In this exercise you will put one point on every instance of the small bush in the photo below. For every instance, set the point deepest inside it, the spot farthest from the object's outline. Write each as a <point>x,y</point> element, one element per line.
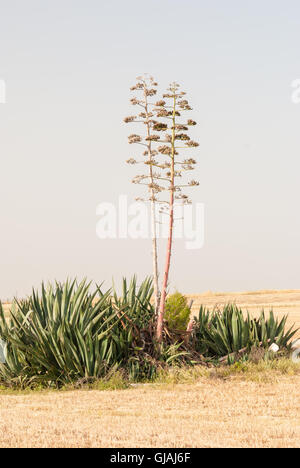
<point>177,312</point>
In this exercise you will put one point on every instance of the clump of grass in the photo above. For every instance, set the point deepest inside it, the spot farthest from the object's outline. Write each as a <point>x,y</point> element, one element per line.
<point>185,374</point>
<point>266,370</point>
<point>115,380</point>
<point>256,354</point>
<point>263,371</point>
<point>24,390</point>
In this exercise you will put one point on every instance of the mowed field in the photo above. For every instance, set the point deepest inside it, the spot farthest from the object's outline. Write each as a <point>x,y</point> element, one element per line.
<point>233,412</point>
<point>285,302</point>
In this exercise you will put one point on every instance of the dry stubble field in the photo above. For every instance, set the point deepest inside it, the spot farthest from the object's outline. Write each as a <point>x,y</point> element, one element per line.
<point>212,412</point>
<point>209,413</point>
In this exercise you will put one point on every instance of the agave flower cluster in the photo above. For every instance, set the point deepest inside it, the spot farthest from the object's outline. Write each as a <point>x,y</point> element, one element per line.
<point>165,140</point>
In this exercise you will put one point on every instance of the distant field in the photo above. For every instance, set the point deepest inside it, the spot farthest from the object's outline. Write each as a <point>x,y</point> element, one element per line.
<point>282,302</point>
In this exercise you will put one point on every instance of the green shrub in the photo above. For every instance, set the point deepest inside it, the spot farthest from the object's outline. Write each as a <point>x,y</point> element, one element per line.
<point>177,312</point>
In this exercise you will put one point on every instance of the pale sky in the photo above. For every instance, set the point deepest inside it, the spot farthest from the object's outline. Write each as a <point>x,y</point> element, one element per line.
<point>68,66</point>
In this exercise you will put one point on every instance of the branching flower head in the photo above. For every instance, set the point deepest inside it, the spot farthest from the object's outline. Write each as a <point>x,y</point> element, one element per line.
<point>139,178</point>
<point>130,118</point>
<point>152,153</point>
<point>152,138</point>
<point>192,143</point>
<point>165,149</point>
<point>131,161</point>
<point>190,161</point>
<point>184,105</point>
<point>184,198</point>
<point>165,165</point>
<point>161,112</point>
<point>188,167</point>
<point>134,101</point>
<point>157,188</point>
<point>181,127</point>
<point>182,136</point>
<point>160,127</point>
<point>151,92</point>
<point>134,139</point>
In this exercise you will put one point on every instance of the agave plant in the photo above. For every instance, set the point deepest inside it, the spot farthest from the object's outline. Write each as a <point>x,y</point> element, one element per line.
<point>135,301</point>
<point>219,333</point>
<point>65,333</point>
<point>61,335</point>
<point>272,330</point>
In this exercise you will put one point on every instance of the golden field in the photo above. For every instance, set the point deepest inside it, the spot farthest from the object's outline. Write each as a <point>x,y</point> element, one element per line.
<point>210,412</point>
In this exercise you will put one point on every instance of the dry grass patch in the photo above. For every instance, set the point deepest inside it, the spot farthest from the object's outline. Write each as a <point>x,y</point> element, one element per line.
<point>255,406</point>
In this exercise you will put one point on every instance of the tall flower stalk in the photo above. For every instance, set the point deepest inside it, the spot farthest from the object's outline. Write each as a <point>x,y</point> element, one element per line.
<point>146,86</point>
<point>175,166</point>
<point>166,166</point>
